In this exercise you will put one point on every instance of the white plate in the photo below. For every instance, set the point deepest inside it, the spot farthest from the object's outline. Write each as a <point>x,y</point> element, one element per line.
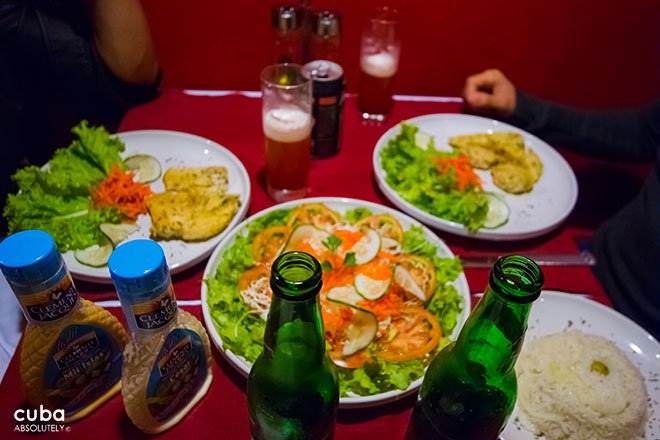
<point>174,149</point>
<point>557,311</point>
<point>340,205</point>
<point>532,214</point>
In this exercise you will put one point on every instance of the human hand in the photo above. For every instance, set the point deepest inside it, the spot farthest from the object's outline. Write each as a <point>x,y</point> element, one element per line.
<point>490,93</point>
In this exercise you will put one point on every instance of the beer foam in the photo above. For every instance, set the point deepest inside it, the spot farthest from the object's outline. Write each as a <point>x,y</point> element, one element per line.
<point>287,124</point>
<point>381,64</point>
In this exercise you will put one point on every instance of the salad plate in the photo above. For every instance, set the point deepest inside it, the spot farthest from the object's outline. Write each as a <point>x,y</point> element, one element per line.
<point>175,149</point>
<point>235,295</point>
<point>530,214</point>
<point>558,311</point>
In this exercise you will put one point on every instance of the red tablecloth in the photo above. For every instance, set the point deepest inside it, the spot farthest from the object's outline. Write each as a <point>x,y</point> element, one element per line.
<point>234,121</point>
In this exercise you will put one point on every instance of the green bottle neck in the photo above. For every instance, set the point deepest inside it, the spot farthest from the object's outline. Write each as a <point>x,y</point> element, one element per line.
<point>294,324</point>
<point>294,328</point>
<point>494,333</point>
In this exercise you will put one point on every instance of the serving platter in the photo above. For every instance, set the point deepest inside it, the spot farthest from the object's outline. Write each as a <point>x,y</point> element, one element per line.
<point>557,311</point>
<point>532,214</point>
<point>175,149</point>
<point>340,205</point>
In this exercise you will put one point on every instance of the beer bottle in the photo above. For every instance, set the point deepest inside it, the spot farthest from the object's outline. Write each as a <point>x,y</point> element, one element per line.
<point>469,389</point>
<point>292,389</point>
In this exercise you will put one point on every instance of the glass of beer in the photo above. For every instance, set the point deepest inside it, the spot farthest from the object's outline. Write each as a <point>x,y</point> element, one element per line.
<point>379,62</point>
<point>287,125</point>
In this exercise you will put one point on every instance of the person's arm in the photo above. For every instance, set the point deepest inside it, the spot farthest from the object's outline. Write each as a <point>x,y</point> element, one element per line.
<point>625,134</point>
<point>57,50</point>
<point>122,37</point>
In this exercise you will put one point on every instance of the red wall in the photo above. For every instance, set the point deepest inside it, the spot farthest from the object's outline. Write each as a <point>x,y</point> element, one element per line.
<point>582,52</point>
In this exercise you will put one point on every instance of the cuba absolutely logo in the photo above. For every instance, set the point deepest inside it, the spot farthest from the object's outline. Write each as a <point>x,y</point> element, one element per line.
<point>40,420</point>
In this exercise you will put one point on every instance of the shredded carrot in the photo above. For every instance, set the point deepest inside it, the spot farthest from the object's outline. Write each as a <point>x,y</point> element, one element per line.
<point>340,276</point>
<point>336,321</point>
<point>119,189</point>
<point>376,270</point>
<point>388,256</point>
<point>348,238</point>
<point>464,172</point>
<point>306,247</point>
<point>389,305</point>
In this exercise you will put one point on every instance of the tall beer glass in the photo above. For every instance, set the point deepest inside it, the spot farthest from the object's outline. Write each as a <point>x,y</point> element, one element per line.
<point>287,125</point>
<point>379,62</point>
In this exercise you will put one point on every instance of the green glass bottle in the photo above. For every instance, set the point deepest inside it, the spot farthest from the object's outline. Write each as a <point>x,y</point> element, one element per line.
<point>292,389</point>
<point>470,388</point>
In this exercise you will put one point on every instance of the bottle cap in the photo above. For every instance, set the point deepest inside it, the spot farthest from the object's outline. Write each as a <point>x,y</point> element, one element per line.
<point>138,267</point>
<point>29,257</point>
<point>287,18</point>
<point>326,24</point>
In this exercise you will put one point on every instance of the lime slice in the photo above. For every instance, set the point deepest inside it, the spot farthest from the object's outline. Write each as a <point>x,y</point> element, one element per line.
<point>405,280</point>
<point>422,140</point>
<point>117,233</point>
<point>147,168</point>
<point>368,247</point>
<point>97,255</point>
<point>371,289</point>
<point>498,211</point>
<point>345,295</point>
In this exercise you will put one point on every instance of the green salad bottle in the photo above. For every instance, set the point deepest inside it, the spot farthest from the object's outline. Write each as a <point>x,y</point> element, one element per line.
<point>470,388</point>
<point>292,389</point>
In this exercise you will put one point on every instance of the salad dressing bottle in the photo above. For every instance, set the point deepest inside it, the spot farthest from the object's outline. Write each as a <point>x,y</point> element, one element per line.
<point>167,363</point>
<point>71,351</point>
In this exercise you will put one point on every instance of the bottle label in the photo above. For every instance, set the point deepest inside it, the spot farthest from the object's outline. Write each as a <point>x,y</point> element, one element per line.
<point>83,364</point>
<point>51,304</point>
<point>177,374</point>
<point>157,312</point>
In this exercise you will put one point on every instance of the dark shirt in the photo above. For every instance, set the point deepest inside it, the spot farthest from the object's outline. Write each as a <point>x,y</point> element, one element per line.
<point>51,77</point>
<point>627,246</point>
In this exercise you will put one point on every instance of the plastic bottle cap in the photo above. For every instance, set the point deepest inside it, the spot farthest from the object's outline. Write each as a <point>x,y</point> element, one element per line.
<point>29,257</point>
<point>138,266</point>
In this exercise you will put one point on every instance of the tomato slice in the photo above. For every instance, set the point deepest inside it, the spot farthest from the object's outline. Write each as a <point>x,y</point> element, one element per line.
<point>315,214</point>
<point>385,224</point>
<point>417,332</point>
<point>422,271</point>
<point>251,275</point>
<point>268,242</point>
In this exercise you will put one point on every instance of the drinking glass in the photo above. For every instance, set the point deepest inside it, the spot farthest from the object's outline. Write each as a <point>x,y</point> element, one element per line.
<point>379,61</point>
<point>287,125</point>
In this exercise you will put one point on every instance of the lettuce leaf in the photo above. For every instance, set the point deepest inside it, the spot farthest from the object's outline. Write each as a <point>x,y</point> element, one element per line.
<point>355,215</point>
<point>412,174</point>
<point>57,200</point>
<point>242,331</point>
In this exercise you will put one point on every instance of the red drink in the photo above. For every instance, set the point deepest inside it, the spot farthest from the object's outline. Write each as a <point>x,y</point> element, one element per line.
<point>287,138</point>
<point>377,73</point>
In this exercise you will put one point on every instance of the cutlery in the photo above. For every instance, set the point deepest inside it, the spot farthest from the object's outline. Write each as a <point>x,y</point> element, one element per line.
<point>546,259</point>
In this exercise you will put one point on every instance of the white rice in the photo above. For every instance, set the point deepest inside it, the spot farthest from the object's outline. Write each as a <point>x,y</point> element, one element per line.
<point>564,399</point>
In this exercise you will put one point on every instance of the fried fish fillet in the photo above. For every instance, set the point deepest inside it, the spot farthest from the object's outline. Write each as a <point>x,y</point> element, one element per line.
<point>181,179</point>
<point>510,146</point>
<point>477,140</point>
<point>512,178</point>
<point>514,168</point>
<point>480,157</point>
<point>193,215</point>
<point>534,165</point>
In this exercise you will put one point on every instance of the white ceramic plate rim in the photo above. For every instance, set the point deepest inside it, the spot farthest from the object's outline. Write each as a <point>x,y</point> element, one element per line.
<point>603,312</point>
<point>457,228</point>
<point>243,366</point>
<point>102,276</point>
